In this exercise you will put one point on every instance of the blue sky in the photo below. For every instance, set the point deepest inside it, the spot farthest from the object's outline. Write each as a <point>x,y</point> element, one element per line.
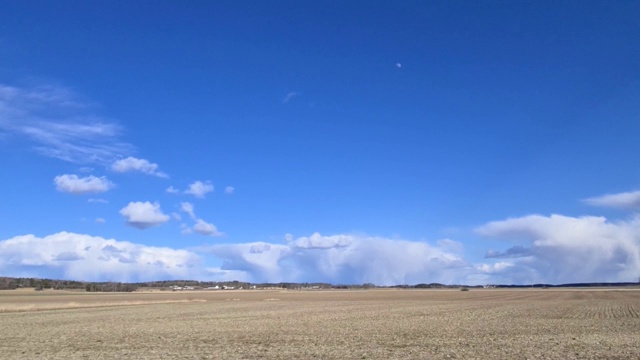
<point>400,142</point>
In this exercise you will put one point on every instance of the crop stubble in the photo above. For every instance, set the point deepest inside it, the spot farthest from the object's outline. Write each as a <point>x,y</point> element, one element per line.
<point>339,324</point>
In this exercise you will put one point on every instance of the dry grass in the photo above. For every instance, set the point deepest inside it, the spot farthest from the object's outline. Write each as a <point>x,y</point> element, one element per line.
<point>373,324</point>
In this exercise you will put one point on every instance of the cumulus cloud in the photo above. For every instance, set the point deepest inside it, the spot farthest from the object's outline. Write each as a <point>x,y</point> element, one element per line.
<point>57,123</point>
<point>625,200</point>
<point>563,249</point>
<point>73,184</point>
<point>229,190</point>
<point>143,215</point>
<point>172,190</point>
<point>91,258</point>
<point>540,249</point>
<point>343,259</point>
<point>337,258</point>
<point>199,189</point>
<point>317,241</point>
<point>134,164</point>
<point>200,227</point>
<point>204,228</point>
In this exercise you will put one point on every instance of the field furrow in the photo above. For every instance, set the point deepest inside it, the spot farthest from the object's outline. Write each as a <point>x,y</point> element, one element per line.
<point>373,324</point>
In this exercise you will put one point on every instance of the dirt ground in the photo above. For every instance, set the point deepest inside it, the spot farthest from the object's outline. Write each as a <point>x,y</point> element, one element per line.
<point>338,324</point>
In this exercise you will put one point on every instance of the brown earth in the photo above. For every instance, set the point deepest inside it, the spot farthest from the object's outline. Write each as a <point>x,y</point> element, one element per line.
<point>339,324</point>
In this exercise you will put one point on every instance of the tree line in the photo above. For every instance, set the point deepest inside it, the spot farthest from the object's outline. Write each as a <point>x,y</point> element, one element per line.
<point>10,283</point>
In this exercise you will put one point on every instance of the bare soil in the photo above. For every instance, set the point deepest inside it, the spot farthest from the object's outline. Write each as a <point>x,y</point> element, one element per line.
<point>338,324</point>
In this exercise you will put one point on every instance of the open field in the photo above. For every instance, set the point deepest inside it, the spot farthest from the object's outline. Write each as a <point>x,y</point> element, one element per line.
<point>338,324</point>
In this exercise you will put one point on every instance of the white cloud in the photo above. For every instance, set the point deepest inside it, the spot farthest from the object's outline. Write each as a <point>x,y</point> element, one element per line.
<point>56,123</point>
<point>290,96</point>
<point>229,190</point>
<point>143,215</point>
<point>199,189</point>
<point>228,275</point>
<point>341,259</point>
<point>201,227</point>
<point>176,216</point>
<point>73,184</point>
<point>185,229</point>
<point>134,164</point>
<point>451,245</point>
<point>541,249</point>
<point>259,261</point>
<point>317,241</point>
<point>172,190</point>
<point>101,220</point>
<point>204,228</point>
<point>563,249</point>
<point>90,258</point>
<point>187,207</point>
<point>494,268</point>
<point>97,201</point>
<point>625,200</point>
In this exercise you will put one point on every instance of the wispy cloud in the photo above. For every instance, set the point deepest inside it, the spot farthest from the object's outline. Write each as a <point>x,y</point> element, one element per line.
<point>98,201</point>
<point>229,190</point>
<point>185,229</point>
<point>290,96</point>
<point>187,208</point>
<point>58,124</point>
<point>625,200</point>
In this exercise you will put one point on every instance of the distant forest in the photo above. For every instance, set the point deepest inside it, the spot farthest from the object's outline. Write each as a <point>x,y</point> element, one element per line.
<point>10,283</point>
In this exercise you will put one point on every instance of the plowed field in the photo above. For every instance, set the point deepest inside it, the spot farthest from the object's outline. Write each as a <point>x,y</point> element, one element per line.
<point>340,324</point>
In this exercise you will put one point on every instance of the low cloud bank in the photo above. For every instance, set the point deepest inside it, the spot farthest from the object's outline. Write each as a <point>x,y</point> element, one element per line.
<point>562,249</point>
<point>342,259</point>
<point>539,249</point>
<point>91,258</point>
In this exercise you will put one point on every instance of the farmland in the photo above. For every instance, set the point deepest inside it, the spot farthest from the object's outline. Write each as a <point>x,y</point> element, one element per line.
<point>336,324</point>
